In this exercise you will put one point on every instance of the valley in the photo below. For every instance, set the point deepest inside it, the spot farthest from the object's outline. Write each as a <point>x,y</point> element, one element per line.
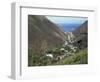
<point>49,45</point>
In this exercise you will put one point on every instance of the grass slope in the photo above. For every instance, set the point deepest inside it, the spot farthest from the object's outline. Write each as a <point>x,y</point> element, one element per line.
<point>79,58</point>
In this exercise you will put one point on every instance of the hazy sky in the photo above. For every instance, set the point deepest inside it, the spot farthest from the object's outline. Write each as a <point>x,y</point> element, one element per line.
<point>67,23</point>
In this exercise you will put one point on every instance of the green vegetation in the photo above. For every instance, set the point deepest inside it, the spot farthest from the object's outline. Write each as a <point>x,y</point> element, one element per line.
<point>80,57</point>
<point>35,59</point>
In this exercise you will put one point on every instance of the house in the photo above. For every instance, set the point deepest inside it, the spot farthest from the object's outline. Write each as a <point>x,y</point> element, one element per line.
<point>49,55</point>
<point>62,49</point>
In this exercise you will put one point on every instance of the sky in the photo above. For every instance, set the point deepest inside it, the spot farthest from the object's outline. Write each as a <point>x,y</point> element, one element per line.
<point>67,23</point>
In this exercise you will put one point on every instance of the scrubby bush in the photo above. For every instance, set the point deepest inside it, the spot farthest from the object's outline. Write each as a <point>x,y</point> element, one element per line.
<point>79,58</point>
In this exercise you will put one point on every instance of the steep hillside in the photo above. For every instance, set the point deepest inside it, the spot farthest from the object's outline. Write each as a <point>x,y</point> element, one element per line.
<point>81,35</point>
<point>43,34</point>
<point>83,29</point>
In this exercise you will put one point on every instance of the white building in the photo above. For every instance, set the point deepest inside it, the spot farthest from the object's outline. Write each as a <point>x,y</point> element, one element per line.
<point>49,55</point>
